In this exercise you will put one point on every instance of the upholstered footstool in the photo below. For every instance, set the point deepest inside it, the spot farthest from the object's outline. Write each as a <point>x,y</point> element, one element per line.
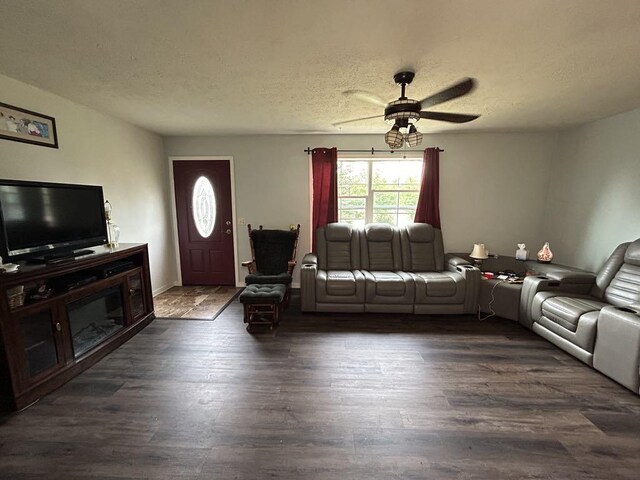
<point>262,304</point>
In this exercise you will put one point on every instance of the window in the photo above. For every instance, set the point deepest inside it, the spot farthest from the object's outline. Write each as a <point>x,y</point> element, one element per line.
<point>378,190</point>
<point>203,206</point>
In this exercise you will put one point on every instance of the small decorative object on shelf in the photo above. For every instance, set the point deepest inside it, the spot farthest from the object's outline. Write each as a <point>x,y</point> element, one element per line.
<point>16,296</point>
<point>545,255</point>
<point>292,227</point>
<point>8,267</point>
<point>113,230</point>
<point>522,253</point>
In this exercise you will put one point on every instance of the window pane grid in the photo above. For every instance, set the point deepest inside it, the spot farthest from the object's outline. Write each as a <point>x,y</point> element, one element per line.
<point>373,190</point>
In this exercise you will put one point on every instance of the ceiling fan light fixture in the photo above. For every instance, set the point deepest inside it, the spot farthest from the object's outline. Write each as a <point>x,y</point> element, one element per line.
<point>414,137</point>
<point>393,137</point>
<point>402,109</point>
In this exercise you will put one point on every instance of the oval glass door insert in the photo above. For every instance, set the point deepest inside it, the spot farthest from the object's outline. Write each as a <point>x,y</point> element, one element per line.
<point>204,206</point>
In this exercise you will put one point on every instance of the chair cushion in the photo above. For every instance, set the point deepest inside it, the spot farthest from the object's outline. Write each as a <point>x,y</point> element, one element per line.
<point>258,279</point>
<point>389,284</point>
<point>273,249</point>
<point>341,283</point>
<point>263,293</point>
<point>566,311</point>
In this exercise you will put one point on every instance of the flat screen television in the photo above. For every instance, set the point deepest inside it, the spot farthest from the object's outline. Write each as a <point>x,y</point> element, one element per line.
<point>42,221</point>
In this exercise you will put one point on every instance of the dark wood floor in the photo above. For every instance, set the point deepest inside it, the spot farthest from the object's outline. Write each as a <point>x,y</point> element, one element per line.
<point>330,397</point>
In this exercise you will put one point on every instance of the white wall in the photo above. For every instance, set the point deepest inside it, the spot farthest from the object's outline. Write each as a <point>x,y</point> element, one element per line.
<point>594,195</point>
<point>97,149</point>
<point>578,189</point>
<point>492,186</point>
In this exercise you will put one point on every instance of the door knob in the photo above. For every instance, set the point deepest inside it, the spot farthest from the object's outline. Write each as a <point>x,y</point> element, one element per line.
<point>228,222</point>
<point>58,327</point>
<point>228,231</point>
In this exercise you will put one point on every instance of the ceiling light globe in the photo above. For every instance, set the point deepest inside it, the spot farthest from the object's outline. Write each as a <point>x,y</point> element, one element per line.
<point>396,145</point>
<point>414,138</point>
<point>393,137</point>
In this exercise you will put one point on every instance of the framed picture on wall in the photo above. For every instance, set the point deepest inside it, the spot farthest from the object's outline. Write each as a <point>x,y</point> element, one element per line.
<point>22,125</point>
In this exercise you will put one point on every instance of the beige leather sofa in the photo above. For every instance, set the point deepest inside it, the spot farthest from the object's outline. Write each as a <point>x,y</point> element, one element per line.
<point>380,268</point>
<point>594,318</point>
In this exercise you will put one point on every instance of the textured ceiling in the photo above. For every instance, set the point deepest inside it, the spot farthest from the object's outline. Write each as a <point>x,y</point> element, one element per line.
<point>279,66</point>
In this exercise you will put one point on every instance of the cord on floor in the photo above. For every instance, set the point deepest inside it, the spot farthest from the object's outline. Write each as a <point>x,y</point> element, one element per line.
<point>493,299</point>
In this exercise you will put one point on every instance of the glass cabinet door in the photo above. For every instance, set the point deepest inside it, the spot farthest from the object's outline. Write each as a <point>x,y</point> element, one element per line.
<point>136,296</point>
<point>40,342</point>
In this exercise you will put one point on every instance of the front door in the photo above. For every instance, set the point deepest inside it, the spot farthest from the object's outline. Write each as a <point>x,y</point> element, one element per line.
<point>205,227</point>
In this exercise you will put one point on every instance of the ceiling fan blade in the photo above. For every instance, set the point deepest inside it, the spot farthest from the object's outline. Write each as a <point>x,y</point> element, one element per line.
<point>365,96</point>
<point>459,89</point>
<point>356,120</point>
<point>448,117</point>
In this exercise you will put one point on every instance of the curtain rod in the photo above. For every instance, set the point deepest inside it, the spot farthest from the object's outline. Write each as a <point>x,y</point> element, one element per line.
<point>373,151</point>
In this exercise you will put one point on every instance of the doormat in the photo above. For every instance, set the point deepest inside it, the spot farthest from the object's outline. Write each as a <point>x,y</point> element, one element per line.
<point>194,303</point>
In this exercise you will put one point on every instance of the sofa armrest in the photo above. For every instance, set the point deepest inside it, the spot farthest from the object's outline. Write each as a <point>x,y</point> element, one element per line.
<point>567,277</point>
<point>472,277</point>
<point>530,286</point>
<point>310,259</point>
<point>454,260</point>
<point>565,280</point>
<point>308,278</point>
<point>617,349</point>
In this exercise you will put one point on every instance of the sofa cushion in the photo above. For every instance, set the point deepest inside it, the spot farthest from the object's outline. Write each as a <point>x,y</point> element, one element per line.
<point>338,232</point>
<point>422,249</point>
<point>380,255</point>
<point>438,284</point>
<point>566,311</point>
<point>338,255</point>
<point>624,288</point>
<point>380,248</point>
<point>378,232</point>
<point>632,255</point>
<point>338,247</point>
<point>389,284</point>
<point>420,232</point>
<point>341,282</point>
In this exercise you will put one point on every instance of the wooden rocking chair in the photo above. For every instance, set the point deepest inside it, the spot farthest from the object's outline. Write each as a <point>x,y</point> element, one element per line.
<point>273,254</point>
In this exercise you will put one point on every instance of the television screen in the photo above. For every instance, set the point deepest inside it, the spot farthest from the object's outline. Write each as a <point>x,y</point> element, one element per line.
<point>43,218</point>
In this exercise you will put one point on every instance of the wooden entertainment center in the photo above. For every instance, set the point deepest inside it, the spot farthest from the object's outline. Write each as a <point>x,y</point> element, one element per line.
<point>58,320</point>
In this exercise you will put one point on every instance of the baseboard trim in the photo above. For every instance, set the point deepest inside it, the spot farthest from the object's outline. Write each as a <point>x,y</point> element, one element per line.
<point>162,289</point>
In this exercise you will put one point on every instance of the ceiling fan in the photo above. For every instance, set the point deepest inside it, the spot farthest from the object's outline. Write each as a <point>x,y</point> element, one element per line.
<point>405,112</point>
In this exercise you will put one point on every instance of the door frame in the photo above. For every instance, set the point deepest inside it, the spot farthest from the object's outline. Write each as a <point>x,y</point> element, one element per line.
<point>174,215</point>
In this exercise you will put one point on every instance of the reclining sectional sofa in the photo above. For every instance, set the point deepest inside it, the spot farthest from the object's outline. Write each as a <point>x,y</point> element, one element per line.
<point>380,268</point>
<point>595,318</point>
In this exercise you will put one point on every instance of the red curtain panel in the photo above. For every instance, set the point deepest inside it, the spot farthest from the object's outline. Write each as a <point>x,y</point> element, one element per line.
<point>324,164</point>
<point>428,209</point>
